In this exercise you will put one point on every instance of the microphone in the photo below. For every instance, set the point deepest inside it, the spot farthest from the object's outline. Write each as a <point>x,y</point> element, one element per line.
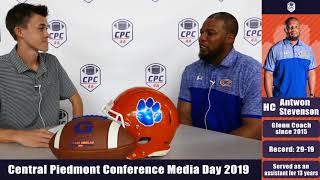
<point>37,87</point>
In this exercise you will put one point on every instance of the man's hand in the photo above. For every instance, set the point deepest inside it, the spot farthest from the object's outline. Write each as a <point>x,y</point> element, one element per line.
<point>251,128</point>
<point>33,138</point>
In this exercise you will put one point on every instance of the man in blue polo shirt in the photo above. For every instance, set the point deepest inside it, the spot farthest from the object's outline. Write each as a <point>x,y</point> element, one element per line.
<point>289,65</point>
<point>222,90</point>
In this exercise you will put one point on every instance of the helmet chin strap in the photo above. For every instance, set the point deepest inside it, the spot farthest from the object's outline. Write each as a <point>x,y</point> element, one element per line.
<point>107,110</point>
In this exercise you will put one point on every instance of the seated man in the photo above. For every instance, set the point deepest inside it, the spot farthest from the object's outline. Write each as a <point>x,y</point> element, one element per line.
<point>32,83</point>
<point>222,90</point>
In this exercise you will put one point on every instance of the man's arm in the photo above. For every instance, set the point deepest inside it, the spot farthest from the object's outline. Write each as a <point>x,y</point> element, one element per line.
<point>77,105</point>
<point>31,138</point>
<point>251,110</point>
<point>184,110</point>
<point>269,67</point>
<point>268,83</point>
<point>251,128</point>
<point>69,91</point>
<point>312,81</point>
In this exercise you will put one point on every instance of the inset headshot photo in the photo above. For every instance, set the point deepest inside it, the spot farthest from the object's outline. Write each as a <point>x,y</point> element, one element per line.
<point>290,55</point>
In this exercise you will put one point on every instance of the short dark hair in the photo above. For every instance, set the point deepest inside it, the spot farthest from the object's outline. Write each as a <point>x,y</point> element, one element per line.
<point>230,22</point>
<point>290,19</point>
<point>20,14</point>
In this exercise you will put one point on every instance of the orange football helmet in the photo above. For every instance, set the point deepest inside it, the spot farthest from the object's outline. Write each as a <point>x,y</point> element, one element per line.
<point>149,116</point>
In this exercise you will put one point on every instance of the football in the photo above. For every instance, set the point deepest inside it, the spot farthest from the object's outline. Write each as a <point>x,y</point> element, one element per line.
<point>254,23</point>
<point>55,26</point>
<point>155,69</point>
<point>90,70</point>
<point>188,24</point>
<point>92,137</point>
<point>122,25</point>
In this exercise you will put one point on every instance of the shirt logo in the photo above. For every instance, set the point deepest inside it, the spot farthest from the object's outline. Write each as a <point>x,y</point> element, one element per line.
<point>291,6</point>
<point>63,116</point>
<point>226,83</point>
<point>90,77</point>
<point>122,32</point>
<point>88,1</point>
<point>199,78</point>
<point>21,1</point>
<point>57,33</point>
<point>156,75</point>
<point>303,54</point>
<point>188,30</point>
<point>253,30</point>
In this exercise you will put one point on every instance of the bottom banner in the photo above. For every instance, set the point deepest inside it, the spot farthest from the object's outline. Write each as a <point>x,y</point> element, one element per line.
<point>169,169</point>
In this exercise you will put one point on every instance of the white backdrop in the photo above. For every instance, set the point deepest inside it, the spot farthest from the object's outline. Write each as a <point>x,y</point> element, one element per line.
<point>88,31</point>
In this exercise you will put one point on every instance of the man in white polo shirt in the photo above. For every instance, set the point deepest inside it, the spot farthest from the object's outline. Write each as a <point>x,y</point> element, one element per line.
<point>32,83</point>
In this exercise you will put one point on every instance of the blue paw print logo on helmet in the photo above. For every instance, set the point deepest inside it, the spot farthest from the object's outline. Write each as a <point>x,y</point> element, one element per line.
<point>149,112</point>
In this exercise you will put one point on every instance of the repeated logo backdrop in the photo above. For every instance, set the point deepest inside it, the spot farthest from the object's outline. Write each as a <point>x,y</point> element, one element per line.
<point>107,47</point>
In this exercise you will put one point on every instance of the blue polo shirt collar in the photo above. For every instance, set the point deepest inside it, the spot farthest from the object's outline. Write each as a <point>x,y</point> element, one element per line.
<point>286,41</point>
<point>230,59</point>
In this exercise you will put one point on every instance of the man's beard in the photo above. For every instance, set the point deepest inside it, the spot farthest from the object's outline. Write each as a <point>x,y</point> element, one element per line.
<point>292,38</point>
<point>211,56</point>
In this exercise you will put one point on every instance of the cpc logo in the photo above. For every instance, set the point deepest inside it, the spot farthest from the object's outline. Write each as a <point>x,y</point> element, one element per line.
<point>63,116</point>
<point>57,33</point>
<point>156,75</point>
<point>84,127</point>
<point>122,32</point>
<point>291,6</point>
<point>188,30</point>
<point>90,76</point>
<point>253,30</point>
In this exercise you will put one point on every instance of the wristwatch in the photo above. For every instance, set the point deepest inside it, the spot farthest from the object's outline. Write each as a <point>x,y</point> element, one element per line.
<point>311,94</point>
